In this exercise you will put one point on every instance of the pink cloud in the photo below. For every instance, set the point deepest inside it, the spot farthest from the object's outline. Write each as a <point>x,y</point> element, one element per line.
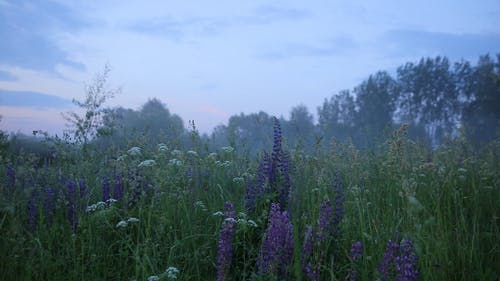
<point>213,110</point>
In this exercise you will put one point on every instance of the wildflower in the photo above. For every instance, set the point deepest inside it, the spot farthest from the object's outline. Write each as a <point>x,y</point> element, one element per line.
<point>153,278</point>
<point>238,180</point>
<point>225,250</point>
<point>32,212</point>
<point>147,163</point>
<point>277,247</point>
<point>72,208</point>
<point>122,224</point>
<point>212,156</point>
<point>387,264</point>
<point>251,223</point>
<point>192,153</point>
<point>286,186</point>
<point>118,187</point>
<point>121,158</point>
<point>227,149</point>
<point>356,251</point>
<point>175,162</point>
<point>218,214</point>
<point>406,262</point>
<point>133,220</point>
<point>176,153</point>
<point>276,155</point>
<point>106,189</point>
<point>134,151</point>
<point>48,205</point>
<point>254,191</point>
<point>162,147</point>
<point>172,272</point>
<point>83,192</point>
<point>324,222</point>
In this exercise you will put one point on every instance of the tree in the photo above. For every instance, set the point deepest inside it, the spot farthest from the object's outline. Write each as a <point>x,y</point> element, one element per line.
<point>375,102</point>
<point>336,116</point>
<point>300,128</point>
<point>481,112</point>
<point>86,126</point>
<point>429,97</point>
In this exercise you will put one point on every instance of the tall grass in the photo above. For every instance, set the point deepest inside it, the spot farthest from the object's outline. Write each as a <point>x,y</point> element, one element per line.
<point>446,201</point>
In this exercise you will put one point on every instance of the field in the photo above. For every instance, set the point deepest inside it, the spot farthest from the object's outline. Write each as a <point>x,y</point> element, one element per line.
<point>156,212</point>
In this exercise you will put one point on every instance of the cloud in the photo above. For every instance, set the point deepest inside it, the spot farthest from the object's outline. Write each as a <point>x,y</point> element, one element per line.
<point>177,28</point>
<point>334,47</point>
<point>30,31</point>
<point>27,119</point>
<point>7,76</point>
<point>455,46</point>
<point>213,110</point>
<point>31,99</point>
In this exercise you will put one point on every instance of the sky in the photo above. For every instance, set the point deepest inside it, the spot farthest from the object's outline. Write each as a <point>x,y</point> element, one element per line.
<point>208,60</point>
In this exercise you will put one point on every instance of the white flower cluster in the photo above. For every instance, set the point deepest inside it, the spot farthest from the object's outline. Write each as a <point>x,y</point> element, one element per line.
<point>212,156</point>
<point>176,153</point>
<point>192,153</point>
<point>175,162</point>
<point>121,158</point>
<point>134,151</point>
<point>172,272</point>
<point>99,205</point>
<point>247,222</point>
<point>124,223</point>
<point>162,147</point>
<point>224,164</point>
<point>238,180</point>
<point>147,163</point>
<point>227,149</point>
<point>218,214</point>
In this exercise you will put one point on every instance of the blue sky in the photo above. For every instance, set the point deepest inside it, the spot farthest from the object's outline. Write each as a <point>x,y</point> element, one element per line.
<point>208,60</point>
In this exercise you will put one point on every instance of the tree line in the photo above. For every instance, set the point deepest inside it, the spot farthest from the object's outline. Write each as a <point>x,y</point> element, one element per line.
<point>437,99</point>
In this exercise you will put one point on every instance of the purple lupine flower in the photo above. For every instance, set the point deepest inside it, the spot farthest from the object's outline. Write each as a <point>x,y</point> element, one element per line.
<point>386,268</point>
<point>355,254</point>
<point>356,251</point>
<point>325,221</point>
<point>286,186</point>
<point>277,247</point>
<point>106,189</point>
<point>312,272</point>
<point>83,193</point>
<point>72,207</point>
<point>276,155</point>
<point>254,191</point>
<point>225,250</point>
<point>338,190</point>
<point>48,205</point>
<point>118,187</point>
<point>406,262</point>
<point>32,212</point>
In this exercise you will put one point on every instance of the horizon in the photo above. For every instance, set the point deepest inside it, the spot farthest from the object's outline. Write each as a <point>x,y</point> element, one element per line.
<point>208,62</point>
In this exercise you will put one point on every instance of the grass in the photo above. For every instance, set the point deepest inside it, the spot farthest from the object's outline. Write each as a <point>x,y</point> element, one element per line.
<point>446,201</point>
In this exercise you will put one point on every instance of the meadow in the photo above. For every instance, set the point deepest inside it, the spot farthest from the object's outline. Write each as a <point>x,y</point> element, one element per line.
<point>153,211</point>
